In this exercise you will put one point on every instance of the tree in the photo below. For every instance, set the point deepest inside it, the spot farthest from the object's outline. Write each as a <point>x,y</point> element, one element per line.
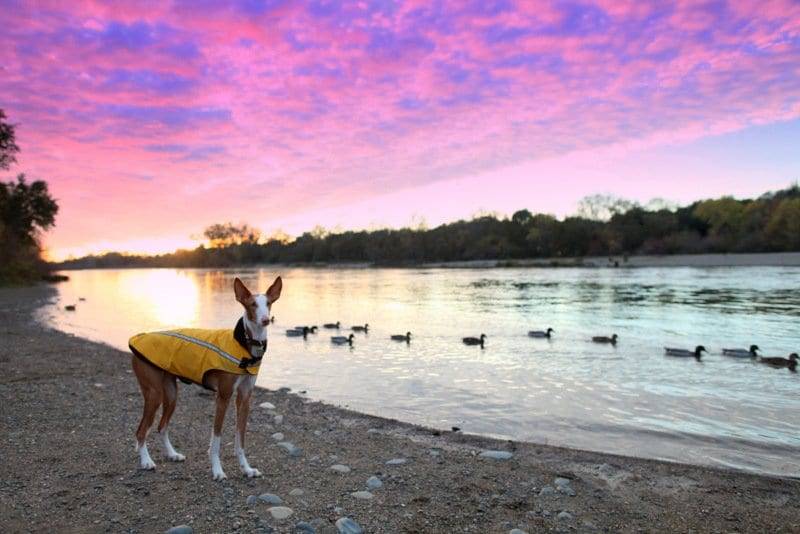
<point>603,207</point>
<point>8,145</point>
<point>783,229</point>
<point>227,234</point>
<point>26,210</point>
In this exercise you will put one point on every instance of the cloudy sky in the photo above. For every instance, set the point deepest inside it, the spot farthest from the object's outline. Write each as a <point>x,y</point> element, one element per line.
<point>151,120</point>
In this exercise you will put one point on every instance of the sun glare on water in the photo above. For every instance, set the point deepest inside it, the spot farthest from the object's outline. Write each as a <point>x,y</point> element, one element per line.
<point>170,297</point>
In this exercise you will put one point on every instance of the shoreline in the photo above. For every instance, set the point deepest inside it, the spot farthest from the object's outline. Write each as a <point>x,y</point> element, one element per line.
<point>69,464</point>
<point>705,260</point>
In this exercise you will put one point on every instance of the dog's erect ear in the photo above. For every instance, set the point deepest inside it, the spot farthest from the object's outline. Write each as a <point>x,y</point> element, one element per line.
<point>243,294</point>
<point>274,291</point>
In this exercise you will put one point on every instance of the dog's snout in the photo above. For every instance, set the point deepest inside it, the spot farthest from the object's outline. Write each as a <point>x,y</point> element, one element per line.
<point>265,321</point>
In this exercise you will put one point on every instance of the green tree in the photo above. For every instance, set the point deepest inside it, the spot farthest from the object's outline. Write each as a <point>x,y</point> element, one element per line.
<point>8,144</point>
<point>783,229</point>
<point>26,210</point>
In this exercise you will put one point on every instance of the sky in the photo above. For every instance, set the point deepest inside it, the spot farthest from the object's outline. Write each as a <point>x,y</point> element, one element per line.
<point>152,120</point>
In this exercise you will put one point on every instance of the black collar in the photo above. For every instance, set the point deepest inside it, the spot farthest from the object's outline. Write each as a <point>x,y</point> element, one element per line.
<point>242,336</point>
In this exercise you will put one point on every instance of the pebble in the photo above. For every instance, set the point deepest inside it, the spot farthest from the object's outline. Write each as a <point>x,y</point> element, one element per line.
<point>564,486</point>
<point>338,510</point>
<point>547,490</point>
<point>396,461</point>
<point>306,528</point>
<point>516,531</point>
<point>296,492</point>
<point>267,406</point>
<point>564,516</point>
<point>270,498</point>
<point>278,436</point>
<point>339,468</point>
<point>374,483</point>
<point>497,455</point>
<point>278,419</point>
<point>348,526</point>
<point>180,529</point>
<point>252,499</point>
<point>362,495</point>
<point>291,448</point>
<point>280,512</point>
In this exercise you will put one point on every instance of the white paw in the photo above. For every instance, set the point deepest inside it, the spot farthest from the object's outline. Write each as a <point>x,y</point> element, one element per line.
<point>147,465</point>
<point>251,472</point>
<point>176,457</point>
<point>219,475</point>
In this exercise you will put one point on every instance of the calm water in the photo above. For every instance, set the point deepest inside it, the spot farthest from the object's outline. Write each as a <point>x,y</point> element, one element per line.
<point>629,400</point>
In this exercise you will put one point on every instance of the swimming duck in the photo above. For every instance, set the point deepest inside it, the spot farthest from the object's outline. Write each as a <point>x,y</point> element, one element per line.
<point>605,339</point>
<point>742,353</point>
<point>541,333</point>
<point>683,353</point>
<point>790,362</point>
<point>298,332</point>
<point>311,329</point>
<point>364,328</point>
<point>69,307</point>
<point>406,338</point>
<point>474,340</point>
<point>342,340</point>
<point>334,326</point>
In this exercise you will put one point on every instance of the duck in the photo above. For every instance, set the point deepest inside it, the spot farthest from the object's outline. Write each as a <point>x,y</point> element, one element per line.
<point>297,332</point>
<point>541,333</point>
<point>605,339</point>
<point>332,326</point>
<point>742,353</point>
<point>342,340</point>
<point>311,329</point>
<point>474,340</point>
<point>69,307</point>
<point>790,362</point>
<point>400,337</point>
<point>364,328</point>
<point>683,353</point>
<point>272,320</point>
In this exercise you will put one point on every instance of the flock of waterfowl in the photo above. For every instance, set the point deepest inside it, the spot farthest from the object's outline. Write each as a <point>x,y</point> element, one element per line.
<point>752,352</point>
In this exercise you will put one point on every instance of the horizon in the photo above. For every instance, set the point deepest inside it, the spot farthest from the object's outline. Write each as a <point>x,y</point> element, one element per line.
<point>150,123</point>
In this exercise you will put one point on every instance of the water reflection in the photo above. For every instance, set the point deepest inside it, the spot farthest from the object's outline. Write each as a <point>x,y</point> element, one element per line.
<point>627,399</point>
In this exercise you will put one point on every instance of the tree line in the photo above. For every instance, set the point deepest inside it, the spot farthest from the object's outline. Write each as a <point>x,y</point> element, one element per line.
<point>26,211</point>
<point>604,226</point>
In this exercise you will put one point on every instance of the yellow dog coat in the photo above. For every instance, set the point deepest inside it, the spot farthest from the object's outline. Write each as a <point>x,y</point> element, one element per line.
<point>190,353</point>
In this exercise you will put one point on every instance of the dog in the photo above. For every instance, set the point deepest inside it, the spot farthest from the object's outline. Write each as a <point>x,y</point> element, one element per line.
<point>224,361</point>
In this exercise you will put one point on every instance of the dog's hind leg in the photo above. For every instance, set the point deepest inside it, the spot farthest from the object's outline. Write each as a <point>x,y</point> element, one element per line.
<point>224,386</point>
<point>169,400</point>
<point>244,389</point>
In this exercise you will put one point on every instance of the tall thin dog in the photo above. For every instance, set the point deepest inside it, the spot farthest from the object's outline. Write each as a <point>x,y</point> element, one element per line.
<point>159,385</point>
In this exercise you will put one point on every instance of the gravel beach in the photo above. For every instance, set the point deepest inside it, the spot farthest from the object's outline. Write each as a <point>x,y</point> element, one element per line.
<point>70,408</point>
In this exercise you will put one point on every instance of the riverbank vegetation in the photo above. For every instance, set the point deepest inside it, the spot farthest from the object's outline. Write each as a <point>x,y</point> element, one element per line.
<point>604,226</point>
<point>26,210</point>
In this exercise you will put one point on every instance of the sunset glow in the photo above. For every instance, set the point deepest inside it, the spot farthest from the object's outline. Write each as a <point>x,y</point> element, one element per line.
<point>152,120</point>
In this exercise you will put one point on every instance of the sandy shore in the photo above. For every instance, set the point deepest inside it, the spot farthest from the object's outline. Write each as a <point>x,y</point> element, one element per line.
<point>70,406</point>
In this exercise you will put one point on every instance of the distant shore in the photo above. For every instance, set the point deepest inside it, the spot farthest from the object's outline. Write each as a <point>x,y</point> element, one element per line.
<point>71,406</point>
<point>761,259</point>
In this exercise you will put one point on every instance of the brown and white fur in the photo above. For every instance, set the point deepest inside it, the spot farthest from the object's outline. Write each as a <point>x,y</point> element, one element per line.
<point>160,388</point>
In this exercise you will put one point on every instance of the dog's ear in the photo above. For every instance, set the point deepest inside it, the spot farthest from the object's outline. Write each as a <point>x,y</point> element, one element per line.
<point>243,294</point>
<point>274,291</point>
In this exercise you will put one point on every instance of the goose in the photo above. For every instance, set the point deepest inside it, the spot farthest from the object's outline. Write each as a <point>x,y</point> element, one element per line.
<point>683,353</point>
<point>790,362</point>
<point>69,307</point>
<point>541,333</point>
<point>311,329</point>
<point>342,340</point>
<point>406,338</point>
<point>364,328</point>
<point>297,332</point>
<point>333,326</point>
<point>474,340</point>
<point>605,339</point>
<point>742,353</point>
<point>272,320</point>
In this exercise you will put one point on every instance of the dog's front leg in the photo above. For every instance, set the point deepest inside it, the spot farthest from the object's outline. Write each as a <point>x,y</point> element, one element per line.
<point>224,392</point>
<point>243,394</point>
